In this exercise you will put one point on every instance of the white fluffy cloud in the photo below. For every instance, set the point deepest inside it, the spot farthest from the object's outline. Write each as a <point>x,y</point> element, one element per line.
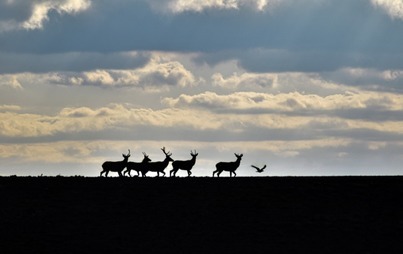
<point>287,102</point>
<point>178,6</point>
<point>393,7</point>
<point>159,73</point>
<point>245,80</point>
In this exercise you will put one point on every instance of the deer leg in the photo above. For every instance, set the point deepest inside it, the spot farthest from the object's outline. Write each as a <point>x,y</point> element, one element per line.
<point>127,171</point>
<point>163,173</point>
<point>120,173</point>
<point>106,174</point>
<point>189,173</point>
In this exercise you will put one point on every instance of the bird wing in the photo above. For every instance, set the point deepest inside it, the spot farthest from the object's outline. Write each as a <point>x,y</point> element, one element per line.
<point>254,167</point>
<point>264,167</point>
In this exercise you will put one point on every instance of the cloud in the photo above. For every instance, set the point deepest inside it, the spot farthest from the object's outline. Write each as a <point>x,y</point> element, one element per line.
<point>283,82</point>
<point>157,74</point>
<point>10,81</point>
<point>299,26</point>
<point>288,102</point>
<point>365,107</point>
<point>179,6</point>
<point>71,61</point>
<point>9,108</point>
<point>388,80</point>
<point>301,36</point>
<point>149,71</point>
<point>115,116</point>
<point>267,80</point>
<point>394,8</point>
<point>32,15</point>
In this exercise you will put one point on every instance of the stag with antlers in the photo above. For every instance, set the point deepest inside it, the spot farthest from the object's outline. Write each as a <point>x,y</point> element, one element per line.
<point>228,166</point>
<point>137,166</point>
<point>184,165</point>
<point>158,166</point>
<point>115,166</point>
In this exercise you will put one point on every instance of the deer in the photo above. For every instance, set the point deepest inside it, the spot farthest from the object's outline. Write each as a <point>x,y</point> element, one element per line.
<point>157,166</point>
<point>115,166</point>
<point>184,165</point>
<point>137,166</point>
<point>228,166</point>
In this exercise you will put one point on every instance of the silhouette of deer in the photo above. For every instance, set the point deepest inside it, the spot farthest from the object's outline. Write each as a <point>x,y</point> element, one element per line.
<point>157,166</point>
<point>184,165</point>
<point>115,166</point>
<point>228,166</point>
<point>137,166</point>
<point>259,170</point>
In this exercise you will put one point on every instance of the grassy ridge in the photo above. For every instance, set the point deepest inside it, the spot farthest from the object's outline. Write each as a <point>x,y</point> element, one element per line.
<point>281,214</point>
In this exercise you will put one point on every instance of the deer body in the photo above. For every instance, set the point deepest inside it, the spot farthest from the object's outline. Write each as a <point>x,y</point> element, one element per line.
<point>158,166</point>
<point>115,166</point>
<point>137,166</point>
<point>228,166</point>
<point>184,165</point>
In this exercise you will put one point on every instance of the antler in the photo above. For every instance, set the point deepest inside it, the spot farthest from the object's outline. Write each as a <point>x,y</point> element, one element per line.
<point>145,154</point>
<point>129,152</point>
<point>193,153</point>
<point>166,153</point>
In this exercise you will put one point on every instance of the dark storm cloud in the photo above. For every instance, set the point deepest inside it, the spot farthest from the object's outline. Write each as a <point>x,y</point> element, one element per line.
<point>303,36</point>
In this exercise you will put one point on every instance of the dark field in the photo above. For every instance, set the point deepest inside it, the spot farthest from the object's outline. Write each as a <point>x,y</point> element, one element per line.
<point>209,215</point>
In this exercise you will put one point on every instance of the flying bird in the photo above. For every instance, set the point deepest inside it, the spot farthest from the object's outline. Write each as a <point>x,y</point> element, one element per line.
<point>259,170</point>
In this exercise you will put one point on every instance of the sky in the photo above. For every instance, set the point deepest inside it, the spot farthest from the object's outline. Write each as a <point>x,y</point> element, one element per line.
<point>307,87</point>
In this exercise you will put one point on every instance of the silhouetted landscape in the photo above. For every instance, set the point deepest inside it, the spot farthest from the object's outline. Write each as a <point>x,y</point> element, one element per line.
<point>201,214</point>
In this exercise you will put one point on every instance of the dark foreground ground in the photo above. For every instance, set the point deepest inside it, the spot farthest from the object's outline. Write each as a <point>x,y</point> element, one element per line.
<point>208,215</point>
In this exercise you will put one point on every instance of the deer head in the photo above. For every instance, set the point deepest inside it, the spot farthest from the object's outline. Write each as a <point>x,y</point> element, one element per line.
<point>126,156</point>
<point>167,154</point>
<point>146,159</point>
<point>238,156</point>
<point>193,154</point>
